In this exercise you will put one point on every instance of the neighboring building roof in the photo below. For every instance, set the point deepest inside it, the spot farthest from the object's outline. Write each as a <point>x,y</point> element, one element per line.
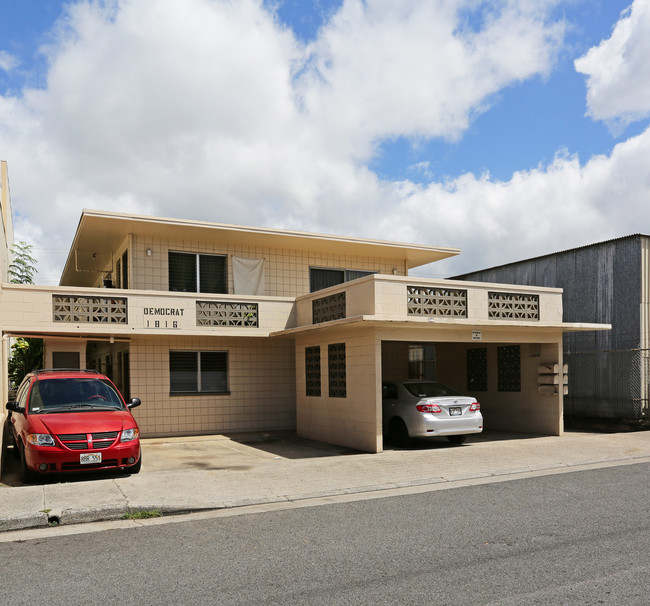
<point>99,234</point>
<point>561,252</point>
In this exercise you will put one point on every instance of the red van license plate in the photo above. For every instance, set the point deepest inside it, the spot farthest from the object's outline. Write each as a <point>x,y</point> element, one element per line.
<point>90,457</point>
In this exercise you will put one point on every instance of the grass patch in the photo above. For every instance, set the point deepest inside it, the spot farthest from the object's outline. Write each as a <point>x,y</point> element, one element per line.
<point>142,515</point>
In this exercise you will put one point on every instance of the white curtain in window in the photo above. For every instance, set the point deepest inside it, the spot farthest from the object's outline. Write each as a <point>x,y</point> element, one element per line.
<point>248,276</point>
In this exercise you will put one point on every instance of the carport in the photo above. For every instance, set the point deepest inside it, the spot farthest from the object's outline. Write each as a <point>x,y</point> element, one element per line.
<point>513,366</point>
<point>504,376</point>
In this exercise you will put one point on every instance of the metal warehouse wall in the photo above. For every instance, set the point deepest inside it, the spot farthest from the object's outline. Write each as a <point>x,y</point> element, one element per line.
<point>602,283</point>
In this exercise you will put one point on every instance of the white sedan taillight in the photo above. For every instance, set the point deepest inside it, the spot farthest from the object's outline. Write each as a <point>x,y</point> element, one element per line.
<point>428,408</point>
<point>474,407</point>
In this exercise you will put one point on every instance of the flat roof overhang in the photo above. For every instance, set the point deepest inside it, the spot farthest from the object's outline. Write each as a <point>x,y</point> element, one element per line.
<point>100,233</point>
<point>426,324</point>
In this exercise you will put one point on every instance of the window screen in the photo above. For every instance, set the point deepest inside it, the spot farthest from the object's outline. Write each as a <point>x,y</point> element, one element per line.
<point>198,371</point>
<point>125,269</point>
<point>66,359</point>
<point>187,270</point>
<point>182,272</point>
<point>212,273</point>
<point>324,278</point>
<point>118,274</point>
<point>214,371</point>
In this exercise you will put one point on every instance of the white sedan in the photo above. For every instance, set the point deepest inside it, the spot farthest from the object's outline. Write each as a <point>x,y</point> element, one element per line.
<point>428,409</point>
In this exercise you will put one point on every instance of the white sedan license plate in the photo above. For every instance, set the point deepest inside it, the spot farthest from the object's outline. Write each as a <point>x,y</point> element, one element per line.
<point>455,411</point>
<point>90,457</point>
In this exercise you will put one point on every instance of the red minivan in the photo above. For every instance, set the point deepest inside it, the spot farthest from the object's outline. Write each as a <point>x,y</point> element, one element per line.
<point>73,420</point>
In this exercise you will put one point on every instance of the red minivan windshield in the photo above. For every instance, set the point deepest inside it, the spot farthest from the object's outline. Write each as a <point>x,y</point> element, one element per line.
<point>65,395</point>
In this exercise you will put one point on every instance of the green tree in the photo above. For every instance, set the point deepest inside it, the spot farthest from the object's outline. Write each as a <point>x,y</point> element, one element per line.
<point>23,267</point>
<point>26,353</point>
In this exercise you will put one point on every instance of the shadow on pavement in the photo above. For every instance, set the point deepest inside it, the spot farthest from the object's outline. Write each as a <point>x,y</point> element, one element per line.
<point>291,446</point>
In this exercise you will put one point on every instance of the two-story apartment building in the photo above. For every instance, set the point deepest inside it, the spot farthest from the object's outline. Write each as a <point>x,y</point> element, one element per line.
<point>223,328</point>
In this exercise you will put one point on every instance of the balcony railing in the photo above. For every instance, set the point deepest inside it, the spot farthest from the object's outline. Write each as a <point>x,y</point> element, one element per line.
<point>70,308</point>
<point>33,308</point>
<point>395,297</point>
<point>376,297</point>
<point>226,313</point>
<point>328,308</point>
<point>434,301</point>
<point>512,306</point>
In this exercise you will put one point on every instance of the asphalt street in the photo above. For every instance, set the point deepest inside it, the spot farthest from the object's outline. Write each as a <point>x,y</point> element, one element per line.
<point>572,538</point>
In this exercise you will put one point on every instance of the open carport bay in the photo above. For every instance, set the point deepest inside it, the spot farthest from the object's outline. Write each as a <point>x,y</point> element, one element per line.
<point>503,377</point>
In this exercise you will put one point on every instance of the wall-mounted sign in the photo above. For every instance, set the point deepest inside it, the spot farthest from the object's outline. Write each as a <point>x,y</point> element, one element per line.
<point>477,335</point>
<point>162,317</point>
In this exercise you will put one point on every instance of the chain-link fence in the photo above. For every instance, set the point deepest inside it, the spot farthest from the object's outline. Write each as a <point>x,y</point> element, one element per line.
<point>608,384</point>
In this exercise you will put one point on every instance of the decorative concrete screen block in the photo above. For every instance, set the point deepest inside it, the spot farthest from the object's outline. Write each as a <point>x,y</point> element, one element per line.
<point>312,371</point>
<point>426,301</point>
<point>328,308</point>
<point>69,308</point>
<point>477,369</point>
<point>509,368</point>
<point>226,313</point>
<point>513,306</point>
<point>336,364</point>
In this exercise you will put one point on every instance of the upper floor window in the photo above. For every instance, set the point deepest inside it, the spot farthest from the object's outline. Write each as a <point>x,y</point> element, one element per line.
<point>192,272</point>
<point>320,278</point>
<point>122,271</point>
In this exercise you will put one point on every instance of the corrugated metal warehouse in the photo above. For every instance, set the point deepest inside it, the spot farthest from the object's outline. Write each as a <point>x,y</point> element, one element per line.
<point>607,282</point>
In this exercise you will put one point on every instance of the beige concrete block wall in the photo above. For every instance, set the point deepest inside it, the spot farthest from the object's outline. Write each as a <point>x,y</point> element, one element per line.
<point>261,380</point>
<point>524,411</point>
<point>386,296</point>
<point>392,297</point>
<point>286,272</point>
<point>359,299</point>
<point>29,308</point>
<point>62,345</point>
<point>355,420</point>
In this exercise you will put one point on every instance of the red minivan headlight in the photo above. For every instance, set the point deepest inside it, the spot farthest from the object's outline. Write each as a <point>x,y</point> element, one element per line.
<point>40,439</point>
<point>128,435</point>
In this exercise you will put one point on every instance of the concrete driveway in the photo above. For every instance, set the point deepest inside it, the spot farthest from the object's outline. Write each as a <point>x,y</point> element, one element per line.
<point>237,452</point>
<point>209,453</point>
<point>230,473</point>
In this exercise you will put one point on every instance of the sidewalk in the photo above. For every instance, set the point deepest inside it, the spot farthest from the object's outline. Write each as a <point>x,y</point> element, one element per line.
<point>213,472</point>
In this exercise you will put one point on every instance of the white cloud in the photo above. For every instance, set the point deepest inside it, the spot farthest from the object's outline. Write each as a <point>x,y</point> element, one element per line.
<point>618,70</point>
<point>381,69</point>
<point>537,212</point>
<point>210,109</point>
<point>7,61</point>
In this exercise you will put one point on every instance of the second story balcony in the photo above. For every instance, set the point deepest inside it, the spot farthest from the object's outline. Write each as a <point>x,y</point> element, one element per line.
<point>34,309</point>
<point>399,298</point>
<point>40,309</point>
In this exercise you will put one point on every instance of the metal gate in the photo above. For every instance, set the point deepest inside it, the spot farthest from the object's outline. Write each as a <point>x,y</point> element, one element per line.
<point>608,384</point>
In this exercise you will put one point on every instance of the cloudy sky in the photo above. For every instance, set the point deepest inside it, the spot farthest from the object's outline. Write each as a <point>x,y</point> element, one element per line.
<point>506,128</point>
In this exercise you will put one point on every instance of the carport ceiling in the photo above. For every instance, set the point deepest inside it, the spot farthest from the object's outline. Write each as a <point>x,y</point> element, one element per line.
<point>99,234</point>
